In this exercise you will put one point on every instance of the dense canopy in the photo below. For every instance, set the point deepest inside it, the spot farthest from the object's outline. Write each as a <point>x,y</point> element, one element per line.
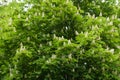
<point>60,40</point>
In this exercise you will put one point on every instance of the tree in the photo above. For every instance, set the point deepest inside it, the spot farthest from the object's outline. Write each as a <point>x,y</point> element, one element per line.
<point>60,40</point>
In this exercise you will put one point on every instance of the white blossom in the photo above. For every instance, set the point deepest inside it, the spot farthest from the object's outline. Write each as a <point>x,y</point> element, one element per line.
<point>10,21</point>
<point>110,23</point>
<point>93,16</point>
<point>62,37</point>
<point>19,16</point>
<point>76,32</point>
<point>89,14</point>
<point>70,56</point>
<point>43,14</point>
<point>40,45</point>
<point>50,43</point>
<point>77,12</point>
<point>118,47</point>
<point>85,63</point>
<point>53,16</point>
<point>54,36</point>
<point>103,1</point>
<point>67,1</point>
<point>69,42</point>
<point>108,19</point>
<point>100,14</point>
<point>86,34</point>
<point>89,71</point>
<point>53,56</point>
<point>28,38</point>
<point>64,43</point>
<point>66,28</point>
<point>26,19</point>
<point>10,69</point>
<point>22,47</point>
<point>93,41</point>
<point>111,50</point>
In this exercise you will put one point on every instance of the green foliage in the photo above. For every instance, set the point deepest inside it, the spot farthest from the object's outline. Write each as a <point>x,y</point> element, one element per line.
<point>107,7</point>
<point>60,40</point>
